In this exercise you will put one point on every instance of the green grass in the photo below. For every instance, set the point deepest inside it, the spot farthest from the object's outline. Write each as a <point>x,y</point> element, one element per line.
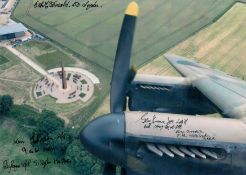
<point>46,54</point>
<point>83,81</point>
<point>48,102</point>
<point>7,59</point>
<point>82,95</point>
<point>15,69</point>
<point>3,60</point>
<point>54,59</point>
<point>220,45</point>
<point>93,34</point>
<point>38,94</point>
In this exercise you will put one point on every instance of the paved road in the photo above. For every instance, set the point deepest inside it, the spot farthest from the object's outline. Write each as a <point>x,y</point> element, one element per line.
<point>26,60</point>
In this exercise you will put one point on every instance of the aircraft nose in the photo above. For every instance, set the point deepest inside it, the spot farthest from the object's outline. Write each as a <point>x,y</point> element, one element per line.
<point>104,137</point>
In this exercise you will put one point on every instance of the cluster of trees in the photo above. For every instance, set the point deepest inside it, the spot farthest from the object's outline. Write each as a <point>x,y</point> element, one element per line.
<point>82,161</point>
<point>6,103</point>
<point>48,123</point>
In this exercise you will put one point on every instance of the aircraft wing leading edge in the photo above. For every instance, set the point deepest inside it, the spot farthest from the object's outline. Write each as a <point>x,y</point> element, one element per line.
<point>225,92</point>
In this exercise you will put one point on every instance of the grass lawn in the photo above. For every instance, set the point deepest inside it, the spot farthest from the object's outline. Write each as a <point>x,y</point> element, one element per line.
<point>221,45</point>
<point>82,95</point>
<point>7,59</point>
<point>3,60</point>
<point>15,69</point>
<point>83,81</point>
<point>46,54</point>
<point>93,33</point>
<point>38,93</point>
<point>53,59</point>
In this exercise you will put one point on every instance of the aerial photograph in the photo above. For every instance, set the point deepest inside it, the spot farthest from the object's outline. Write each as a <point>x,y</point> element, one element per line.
<point>123,87</point>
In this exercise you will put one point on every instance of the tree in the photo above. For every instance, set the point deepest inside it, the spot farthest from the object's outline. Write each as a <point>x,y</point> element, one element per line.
<point>49,122</point>
<point>6,102</point>
<point>64,137</point>
<point>83,162</point>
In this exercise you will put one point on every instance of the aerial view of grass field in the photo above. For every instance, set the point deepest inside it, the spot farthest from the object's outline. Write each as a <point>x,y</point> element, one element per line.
<point>3,60</point>
<point>220,45</point>
<point>212,32</point>
<point>46,54</point>
<point>93,34</point>
<point>16,78</point>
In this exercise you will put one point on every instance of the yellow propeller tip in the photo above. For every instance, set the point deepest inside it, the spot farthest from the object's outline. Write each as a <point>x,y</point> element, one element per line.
<point>132,9</point>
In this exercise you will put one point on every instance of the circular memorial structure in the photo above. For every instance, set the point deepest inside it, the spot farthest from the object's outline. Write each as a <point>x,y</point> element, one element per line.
<point>66,85</point>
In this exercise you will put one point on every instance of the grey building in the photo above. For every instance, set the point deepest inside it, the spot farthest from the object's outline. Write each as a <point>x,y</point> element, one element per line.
<point>12,31</point>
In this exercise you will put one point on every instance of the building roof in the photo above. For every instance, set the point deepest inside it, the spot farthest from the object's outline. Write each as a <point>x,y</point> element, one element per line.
<point>13,28</point>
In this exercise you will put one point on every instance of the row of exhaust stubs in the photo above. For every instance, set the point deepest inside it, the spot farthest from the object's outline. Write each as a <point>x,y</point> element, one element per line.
<point>183,151</point>
<point>152,87</point>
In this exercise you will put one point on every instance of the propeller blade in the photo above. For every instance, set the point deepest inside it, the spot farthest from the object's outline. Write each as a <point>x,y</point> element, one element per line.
<point>132,74</point>
<point>122,60</point>
<point>109,169</point>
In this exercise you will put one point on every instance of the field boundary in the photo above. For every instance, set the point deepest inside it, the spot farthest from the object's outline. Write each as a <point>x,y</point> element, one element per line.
<point>210,23</point>
<point>82,57</point>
